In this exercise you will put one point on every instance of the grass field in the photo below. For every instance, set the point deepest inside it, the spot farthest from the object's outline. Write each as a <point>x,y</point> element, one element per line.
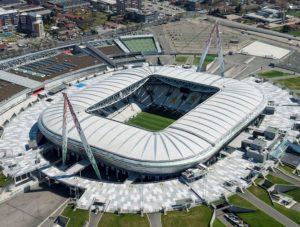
<point>123,220</point>
<point>295,194</point>
<point>218,223</point>
<point>277,180</point>
<point>295,13</point>
<point>197,216</point>
<point>295,32</point>
<point>77,217</point>
<point>150,121</point>
<point>208,59</point>
<point>288,170</point>
<point>181,60</point>
<point>272,74</point>
<point>141,44</point>
<point>292,83</point>
<point>263,195</point>
<point>257,218</point>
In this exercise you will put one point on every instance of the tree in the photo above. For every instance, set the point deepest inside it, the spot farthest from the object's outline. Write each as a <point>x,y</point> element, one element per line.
<point>285,29</point>
<point>238,8</point>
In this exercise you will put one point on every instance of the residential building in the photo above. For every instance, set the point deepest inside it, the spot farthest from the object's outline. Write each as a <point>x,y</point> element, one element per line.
<point>8,21</point>
<point>122,5</point>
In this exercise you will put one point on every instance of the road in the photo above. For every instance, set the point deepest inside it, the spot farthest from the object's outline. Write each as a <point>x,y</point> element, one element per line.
<point>268,209</point>
<point>155,219</point>
<point>251,28</point>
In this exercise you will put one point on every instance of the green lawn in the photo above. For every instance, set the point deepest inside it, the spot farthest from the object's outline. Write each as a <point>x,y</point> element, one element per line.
<point>287,169</point>
<point>140,44</point>
<point>294,13</point>
<point>292,83</point>
<point>123,220</point>
<point>295,194</point>
<point>295,32</point>
<point>257,218</point>
<point>77,217</point>
<point>272,74</point>
<point>263,195</point>
<point>290,213</point>
<point>197,216</point>
<point>181,60</point>
<point>277,180</point>
<point>150,121</point>
<point>208,59</point>
<point>218,223</point>
<point>4,180</point>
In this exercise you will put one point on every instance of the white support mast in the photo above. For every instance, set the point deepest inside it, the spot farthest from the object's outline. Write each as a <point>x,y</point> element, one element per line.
<point>201,67</point>
<point>87,148</point>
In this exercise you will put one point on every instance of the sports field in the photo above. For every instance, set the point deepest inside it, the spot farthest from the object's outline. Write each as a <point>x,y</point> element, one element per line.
<point>150,121</point>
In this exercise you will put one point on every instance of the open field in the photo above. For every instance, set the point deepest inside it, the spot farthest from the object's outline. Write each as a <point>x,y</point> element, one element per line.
<point>272,74</point>
<point>263,195</point>
<point>198,216</point>
<point>257,218</point>
<point>150,121</point>
<point>77,217</point>
<point>123,220</point>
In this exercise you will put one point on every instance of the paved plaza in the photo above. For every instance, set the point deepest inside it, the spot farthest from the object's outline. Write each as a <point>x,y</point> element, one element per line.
<point>31,208</point>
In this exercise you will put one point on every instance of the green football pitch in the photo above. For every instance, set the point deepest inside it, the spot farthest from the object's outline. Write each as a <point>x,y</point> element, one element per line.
<point>150,121</point>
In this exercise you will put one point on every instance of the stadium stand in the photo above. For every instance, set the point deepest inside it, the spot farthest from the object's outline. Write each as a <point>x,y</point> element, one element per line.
<point>12,63</point>
<point>155,96</point>
<point>111,50</point>
<point>55,66</point>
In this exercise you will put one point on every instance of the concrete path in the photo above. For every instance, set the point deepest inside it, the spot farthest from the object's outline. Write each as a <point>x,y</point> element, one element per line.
<point>95,218</point>
<point>268,209</point>
<point>296,207</point>
<point>220,216</point>
<point>155,219</point>
<point>286,177</point>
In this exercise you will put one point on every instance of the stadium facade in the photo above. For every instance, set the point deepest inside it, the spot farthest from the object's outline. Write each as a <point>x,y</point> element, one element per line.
<point>209,112</point>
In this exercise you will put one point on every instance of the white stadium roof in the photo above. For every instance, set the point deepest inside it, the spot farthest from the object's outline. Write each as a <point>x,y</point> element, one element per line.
<point>194,137</point>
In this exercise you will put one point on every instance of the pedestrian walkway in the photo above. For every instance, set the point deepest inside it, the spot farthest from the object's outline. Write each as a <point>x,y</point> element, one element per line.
<point>155,219</point>
<point>268,209</point>
<point>290,179</point>
<point>95,218</point>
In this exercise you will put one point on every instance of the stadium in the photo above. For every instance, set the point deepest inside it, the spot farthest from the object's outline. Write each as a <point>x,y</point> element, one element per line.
<point>135,124</point>
<point>156,120</point>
